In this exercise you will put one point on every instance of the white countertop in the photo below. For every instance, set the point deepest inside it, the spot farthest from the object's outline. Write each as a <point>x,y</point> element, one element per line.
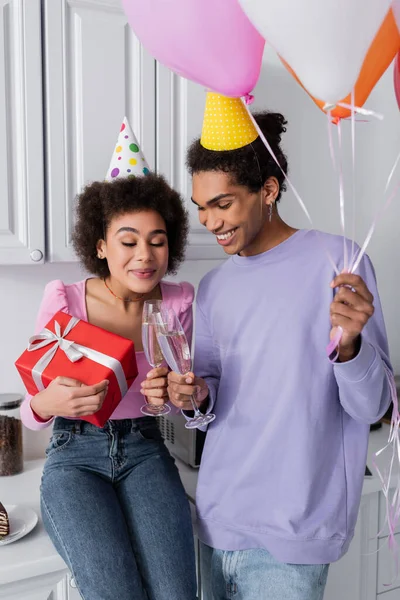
<point>34,555</point>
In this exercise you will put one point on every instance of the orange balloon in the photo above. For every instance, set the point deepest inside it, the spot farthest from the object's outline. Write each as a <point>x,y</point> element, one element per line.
<point>378,58</point>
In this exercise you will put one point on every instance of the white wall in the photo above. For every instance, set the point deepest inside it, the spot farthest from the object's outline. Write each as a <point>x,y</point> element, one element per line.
<point>310,169</point>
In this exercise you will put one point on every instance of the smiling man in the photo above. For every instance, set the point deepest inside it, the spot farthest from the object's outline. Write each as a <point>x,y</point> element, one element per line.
<point>283,464</point>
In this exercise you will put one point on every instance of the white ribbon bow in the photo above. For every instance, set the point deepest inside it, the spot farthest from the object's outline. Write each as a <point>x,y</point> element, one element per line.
<point>73,351</point>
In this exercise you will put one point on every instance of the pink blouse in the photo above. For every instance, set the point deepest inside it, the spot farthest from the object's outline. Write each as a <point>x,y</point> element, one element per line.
<point>72,300</point>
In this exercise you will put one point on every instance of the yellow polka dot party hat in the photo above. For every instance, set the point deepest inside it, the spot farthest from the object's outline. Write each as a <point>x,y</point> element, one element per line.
<point>127,158</point>
<point>226,124</point>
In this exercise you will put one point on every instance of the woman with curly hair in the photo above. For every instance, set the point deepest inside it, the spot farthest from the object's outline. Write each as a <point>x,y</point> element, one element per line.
<point>112,500</point>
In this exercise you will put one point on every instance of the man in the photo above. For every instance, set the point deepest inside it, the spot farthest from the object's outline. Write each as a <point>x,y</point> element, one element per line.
<point>283,464</point>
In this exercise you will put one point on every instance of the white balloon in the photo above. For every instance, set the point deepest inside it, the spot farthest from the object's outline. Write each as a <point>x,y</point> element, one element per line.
<point>325,43</point>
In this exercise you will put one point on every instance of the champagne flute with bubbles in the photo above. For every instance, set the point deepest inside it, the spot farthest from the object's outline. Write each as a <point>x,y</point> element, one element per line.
<point>175,348</point>
<point>152,351</point>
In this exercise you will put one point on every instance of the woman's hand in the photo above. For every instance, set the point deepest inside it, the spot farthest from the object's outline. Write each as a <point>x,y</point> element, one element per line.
<point>155,386</point>
<point>182,387</point>
<point>66,397</point>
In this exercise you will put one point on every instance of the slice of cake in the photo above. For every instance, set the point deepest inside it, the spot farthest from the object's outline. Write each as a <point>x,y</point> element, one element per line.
<point>4,522</point>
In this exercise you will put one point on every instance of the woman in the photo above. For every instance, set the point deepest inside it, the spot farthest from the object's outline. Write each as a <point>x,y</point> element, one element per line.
<point>112,500</point>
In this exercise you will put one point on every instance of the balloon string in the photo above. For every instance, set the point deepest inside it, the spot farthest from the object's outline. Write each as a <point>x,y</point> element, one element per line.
<point>246,101</point>
<point>358,109</point>
<point>341,198</point>
<point>330,138</point>
<point>392,505</point>
<point>353,174</point>
<point>362,111</point>
<point>338,168</point>
<point>396,162</point>
<point>356,256</point>
<point>378,216</point>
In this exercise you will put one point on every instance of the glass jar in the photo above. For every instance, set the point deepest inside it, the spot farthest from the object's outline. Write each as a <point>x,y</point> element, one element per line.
<point>11,456</point>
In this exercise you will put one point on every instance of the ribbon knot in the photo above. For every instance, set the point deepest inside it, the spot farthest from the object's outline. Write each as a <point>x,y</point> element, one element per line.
<point>248,98</point>
<point>47,337</point>
<point>73,351</point>
<point>68,346</point>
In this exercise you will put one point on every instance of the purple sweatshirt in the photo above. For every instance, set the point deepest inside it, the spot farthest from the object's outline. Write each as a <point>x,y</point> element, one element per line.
<point>284,460</point>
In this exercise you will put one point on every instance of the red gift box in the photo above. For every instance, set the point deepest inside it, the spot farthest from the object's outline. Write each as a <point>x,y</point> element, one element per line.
<point>73,348</point>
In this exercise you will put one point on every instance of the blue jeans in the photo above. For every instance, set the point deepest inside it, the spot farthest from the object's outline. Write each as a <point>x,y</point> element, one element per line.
<point>115,508</point>
<point>256,575</point>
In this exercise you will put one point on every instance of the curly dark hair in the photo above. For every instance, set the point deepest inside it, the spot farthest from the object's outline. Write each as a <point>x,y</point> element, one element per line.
<point>251,165</point>
<point>100,202</point>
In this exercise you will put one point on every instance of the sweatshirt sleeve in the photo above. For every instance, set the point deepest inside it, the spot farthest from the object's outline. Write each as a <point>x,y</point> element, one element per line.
<point>363,383</point>
<point>54,299</point>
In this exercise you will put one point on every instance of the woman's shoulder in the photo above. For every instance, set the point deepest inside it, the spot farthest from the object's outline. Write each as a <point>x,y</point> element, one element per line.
<point>69,298</point>
<point>178,295</point>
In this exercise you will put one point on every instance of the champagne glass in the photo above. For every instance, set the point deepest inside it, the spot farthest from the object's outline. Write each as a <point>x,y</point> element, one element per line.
<point>152,351</point>
<point>175,348</point>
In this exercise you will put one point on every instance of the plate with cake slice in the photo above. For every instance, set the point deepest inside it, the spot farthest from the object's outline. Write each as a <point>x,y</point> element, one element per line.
<point>15,522</point>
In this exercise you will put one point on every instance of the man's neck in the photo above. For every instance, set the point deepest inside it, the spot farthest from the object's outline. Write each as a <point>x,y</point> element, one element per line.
<point>269,237</point>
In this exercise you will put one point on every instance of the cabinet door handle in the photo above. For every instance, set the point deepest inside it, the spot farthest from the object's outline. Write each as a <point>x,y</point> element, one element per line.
<point>36,255</point>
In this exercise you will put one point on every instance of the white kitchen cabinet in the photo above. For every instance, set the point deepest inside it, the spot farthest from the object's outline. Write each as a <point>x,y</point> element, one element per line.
<point>64,590</point>
<point>69,589</point>
<point>393,595</point>
<point>21,141</point>
<point>73,594</point>
<point>70,70</point>
<point>386,567</point>
<point>96,72</point>
<point>46,586</point>
<point>180,108</point>
<point>354,577</point>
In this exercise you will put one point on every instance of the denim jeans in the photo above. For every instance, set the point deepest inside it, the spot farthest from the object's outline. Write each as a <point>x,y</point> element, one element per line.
<point>256,575</point>
<point>115,508</point>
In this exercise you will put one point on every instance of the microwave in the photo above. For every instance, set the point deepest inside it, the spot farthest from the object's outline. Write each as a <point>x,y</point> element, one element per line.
<point>185,444</point>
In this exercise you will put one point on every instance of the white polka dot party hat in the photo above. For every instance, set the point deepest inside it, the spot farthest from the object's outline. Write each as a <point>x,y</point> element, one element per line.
<point>226,124</point>
<point>127,158</point>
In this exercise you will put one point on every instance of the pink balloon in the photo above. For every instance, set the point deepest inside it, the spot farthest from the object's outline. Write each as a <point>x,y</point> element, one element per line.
<point>211,42</point>
<point>397,78</point>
